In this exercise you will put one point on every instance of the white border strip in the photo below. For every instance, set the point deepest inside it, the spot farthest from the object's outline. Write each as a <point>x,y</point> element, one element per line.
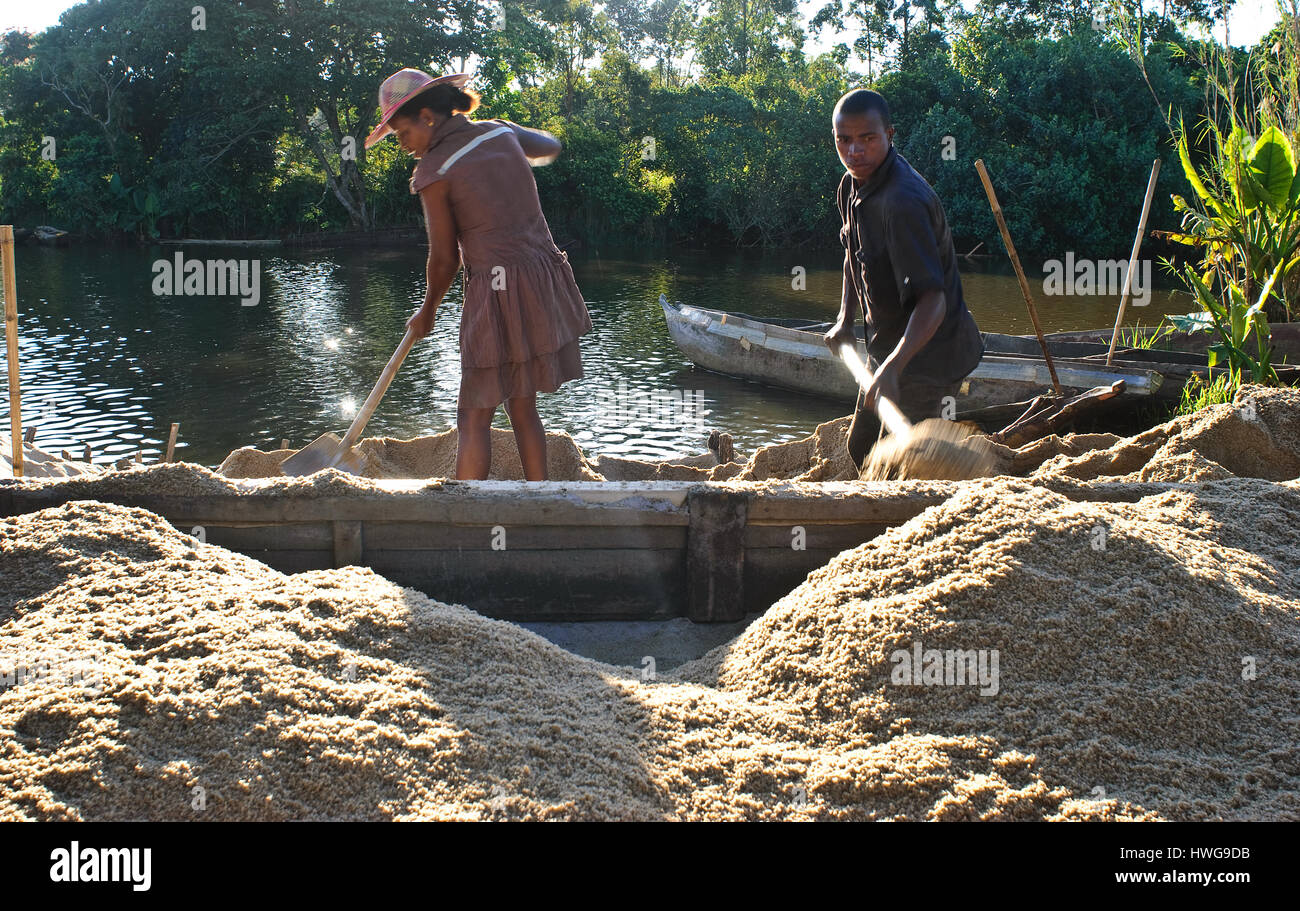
<point>471,144</point>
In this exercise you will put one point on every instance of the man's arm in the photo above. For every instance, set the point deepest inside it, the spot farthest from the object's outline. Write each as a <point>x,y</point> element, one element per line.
<point>918,275</point>
<point>925,320</point>
<point>842,331</point>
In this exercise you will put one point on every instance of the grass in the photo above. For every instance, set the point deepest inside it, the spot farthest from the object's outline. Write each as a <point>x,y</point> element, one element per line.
<point>1198,393</point>
<point>1139,337</point>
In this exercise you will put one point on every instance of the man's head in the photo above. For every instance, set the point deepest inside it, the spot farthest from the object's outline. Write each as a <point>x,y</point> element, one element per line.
<point>863,132</point>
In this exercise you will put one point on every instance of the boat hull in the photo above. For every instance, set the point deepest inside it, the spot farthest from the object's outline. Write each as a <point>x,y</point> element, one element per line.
<point>794,358</point>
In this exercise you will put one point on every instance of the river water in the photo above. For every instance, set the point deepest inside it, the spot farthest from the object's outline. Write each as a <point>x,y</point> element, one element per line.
<point>107,362</point>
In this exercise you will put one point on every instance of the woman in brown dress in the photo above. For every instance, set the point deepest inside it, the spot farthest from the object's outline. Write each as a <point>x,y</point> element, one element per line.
<point>523,312</point>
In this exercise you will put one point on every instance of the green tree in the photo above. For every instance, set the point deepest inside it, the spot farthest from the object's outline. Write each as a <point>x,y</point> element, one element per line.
<point>329,56</point>
<point>735,34</point>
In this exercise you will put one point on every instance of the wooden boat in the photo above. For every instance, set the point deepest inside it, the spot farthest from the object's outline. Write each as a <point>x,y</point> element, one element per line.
<point>790,354</point>
<point>1285,338</point>
<point>579,550</point>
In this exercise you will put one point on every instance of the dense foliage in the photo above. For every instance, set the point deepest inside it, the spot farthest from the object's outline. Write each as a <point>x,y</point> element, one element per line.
<point>706,124</point>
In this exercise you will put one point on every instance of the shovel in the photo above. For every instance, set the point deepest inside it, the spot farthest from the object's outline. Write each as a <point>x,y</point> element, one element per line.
<point>327,450</point>
<point>934,449</point>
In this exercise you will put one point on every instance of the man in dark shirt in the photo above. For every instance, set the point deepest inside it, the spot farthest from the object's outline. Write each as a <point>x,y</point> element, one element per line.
<point>900,270</point>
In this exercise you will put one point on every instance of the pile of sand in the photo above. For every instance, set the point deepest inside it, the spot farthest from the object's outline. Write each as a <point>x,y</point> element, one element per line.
<point>689,468</point>
<point>1144,649</point>
<point>221,689</point>
<point>820,456</point>
<point>431,456</point>
<point>1155,668</point>
<point>37,463</point>
<point>1257,436</point>
<point>185,479</point>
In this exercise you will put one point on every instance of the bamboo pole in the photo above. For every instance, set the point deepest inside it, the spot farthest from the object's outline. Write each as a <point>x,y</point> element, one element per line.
<point>171,442</point>
<point>11,345</point>
<point>1132,258</point>
<point>1020,273</point>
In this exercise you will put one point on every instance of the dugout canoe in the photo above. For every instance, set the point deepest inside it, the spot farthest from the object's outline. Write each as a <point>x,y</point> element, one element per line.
<point>790,354</point>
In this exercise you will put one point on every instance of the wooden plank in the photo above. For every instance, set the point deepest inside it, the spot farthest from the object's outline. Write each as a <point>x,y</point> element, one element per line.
<point>1073,375</point>
<point>715,555</point>
<point>816,536</point>
<point>452,510</point>
<point>254,538</point>
<point>513,584</point>
<point>11,347</point>
<point>295,561</point>
<point>789,503</point>
<point>433,536</point>
<point>771,574</point>
<point>171,443</point>
<point>347,543</point>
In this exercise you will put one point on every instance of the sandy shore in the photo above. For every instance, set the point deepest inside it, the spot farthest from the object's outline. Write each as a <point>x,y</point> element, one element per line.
<point>1126,660</point>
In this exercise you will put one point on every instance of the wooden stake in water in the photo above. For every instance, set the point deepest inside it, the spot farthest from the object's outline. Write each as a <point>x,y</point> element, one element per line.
<point>11,345</point>
<point>1132,258</point>
<point>171,442</point>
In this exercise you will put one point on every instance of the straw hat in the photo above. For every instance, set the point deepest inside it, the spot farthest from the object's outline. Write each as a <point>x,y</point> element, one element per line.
<point>400,88</point>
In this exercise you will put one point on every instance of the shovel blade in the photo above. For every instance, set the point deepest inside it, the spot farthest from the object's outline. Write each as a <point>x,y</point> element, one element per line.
<point>326,451</point>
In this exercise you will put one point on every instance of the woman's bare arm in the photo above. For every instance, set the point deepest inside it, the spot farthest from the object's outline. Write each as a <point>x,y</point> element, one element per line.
<point>539,146</point>
<point>444,252</point>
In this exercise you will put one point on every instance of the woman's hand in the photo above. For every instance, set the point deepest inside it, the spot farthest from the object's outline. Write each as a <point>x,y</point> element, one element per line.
<point>422,321</point>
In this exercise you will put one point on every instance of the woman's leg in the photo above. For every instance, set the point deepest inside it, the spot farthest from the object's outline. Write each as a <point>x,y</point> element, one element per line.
<point>473,443</point>
<point>529,435</point>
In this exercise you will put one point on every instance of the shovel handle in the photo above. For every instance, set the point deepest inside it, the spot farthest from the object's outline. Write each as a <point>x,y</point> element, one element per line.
<point>372,401</point>
<point>890,414</point>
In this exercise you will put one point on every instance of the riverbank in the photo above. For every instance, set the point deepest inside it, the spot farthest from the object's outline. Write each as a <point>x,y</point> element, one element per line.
<point>1106,638</point>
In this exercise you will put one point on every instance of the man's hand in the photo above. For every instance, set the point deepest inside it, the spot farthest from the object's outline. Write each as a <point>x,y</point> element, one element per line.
<point>841,332</point>
<point>422,321</point>
<point>885,383</point>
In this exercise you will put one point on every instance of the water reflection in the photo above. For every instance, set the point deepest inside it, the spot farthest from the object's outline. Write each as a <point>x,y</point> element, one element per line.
<point>105,362</point>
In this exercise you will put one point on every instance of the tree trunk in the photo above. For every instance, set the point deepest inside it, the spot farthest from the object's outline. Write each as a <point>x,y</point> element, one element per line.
<point>744,37</point>
<point>346,184</point>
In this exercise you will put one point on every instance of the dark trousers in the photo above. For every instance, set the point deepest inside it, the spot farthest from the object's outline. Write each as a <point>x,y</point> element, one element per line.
<point>917,401</point>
